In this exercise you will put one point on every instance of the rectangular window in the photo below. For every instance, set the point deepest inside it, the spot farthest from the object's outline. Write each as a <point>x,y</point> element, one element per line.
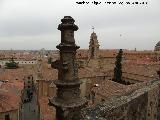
<point>7,117</point>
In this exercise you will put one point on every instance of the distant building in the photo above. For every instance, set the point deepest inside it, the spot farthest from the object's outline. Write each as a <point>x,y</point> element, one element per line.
<point>93,46</point>
<point>157,51</point>
<point>20,62</point>
<point>157,47</point>
<point>10,99</point>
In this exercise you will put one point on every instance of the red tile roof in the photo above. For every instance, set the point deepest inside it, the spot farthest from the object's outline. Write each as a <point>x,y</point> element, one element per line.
<point>108,88</point>
<point>10,95</point>
<point>8,101</point>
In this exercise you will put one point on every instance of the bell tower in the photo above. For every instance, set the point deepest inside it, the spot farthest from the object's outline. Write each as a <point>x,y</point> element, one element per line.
<point>68,98</point>
<point>93,46</point>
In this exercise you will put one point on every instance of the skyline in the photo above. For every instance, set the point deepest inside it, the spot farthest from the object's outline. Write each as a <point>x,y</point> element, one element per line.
<point>33,24</point>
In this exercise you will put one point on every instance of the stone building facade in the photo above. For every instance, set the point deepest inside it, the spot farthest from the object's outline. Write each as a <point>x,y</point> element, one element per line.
<point>46,88</point>
<point>10,115</point>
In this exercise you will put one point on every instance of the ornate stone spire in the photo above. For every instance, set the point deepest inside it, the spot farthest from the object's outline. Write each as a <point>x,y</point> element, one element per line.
<point>93,46</point>
<point>68,99</point>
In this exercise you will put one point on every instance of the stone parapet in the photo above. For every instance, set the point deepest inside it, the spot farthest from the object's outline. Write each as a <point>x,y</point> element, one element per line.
<point>141,104</point>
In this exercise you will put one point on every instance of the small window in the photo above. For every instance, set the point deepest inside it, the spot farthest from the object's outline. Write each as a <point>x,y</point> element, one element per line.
<point>7,117</point>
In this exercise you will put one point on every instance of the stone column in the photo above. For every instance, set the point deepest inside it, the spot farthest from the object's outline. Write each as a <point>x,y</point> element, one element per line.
<point>68,99</point>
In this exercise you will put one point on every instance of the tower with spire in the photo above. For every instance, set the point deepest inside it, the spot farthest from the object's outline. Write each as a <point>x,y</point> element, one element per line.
<point>93,46</point>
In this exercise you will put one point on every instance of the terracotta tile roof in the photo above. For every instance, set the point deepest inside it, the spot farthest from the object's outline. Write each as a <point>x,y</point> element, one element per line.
<point>13,87</point>
<point>111,53</point>
<point>108,53</point>
<point>8,101</point>
<point>108,88</point>
<point>18,74</point>
<point>12,74</point>
<point>90,72</point>
<point>82,54</point>
<point>140,72</point>
<point>10,95</point>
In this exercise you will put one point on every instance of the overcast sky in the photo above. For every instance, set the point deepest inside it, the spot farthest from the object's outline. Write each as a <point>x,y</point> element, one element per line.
<point>32,24</point>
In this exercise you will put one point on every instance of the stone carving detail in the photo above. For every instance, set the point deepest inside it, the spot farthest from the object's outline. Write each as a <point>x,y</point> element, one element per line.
<point>69,36</point>
<point>68,92</point>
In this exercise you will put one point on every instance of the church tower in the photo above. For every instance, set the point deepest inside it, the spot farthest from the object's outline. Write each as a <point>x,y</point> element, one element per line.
<point>93,46</point>
<point>68,100</point>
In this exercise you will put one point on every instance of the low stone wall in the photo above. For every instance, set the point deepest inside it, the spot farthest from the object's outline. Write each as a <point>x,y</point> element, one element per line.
<point>141,104</point>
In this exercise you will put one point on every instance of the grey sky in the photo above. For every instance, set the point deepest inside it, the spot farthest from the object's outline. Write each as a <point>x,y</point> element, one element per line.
<point>32,24</point>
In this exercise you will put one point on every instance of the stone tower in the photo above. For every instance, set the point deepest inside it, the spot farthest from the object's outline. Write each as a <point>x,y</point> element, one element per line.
<point>68,99</point>
<point>93,46</point>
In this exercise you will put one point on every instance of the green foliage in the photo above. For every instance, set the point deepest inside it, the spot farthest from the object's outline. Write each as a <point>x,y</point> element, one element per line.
<point>49,60</point>
<point>11,64</point>
<point>118,67</point>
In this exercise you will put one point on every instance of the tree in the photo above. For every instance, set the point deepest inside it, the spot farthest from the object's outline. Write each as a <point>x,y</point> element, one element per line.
<point>118,67</point>
<point>49,60</point>
<point>11,64</point>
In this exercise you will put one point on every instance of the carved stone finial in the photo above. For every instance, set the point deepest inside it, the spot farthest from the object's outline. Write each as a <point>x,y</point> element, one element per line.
<point>68,85</point>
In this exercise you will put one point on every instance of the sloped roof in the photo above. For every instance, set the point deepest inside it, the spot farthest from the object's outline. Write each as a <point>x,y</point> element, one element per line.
<point>10,95</point>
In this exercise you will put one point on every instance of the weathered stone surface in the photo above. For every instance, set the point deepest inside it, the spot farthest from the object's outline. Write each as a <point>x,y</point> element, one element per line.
<point>68,100</point>
<point>141,104</point>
